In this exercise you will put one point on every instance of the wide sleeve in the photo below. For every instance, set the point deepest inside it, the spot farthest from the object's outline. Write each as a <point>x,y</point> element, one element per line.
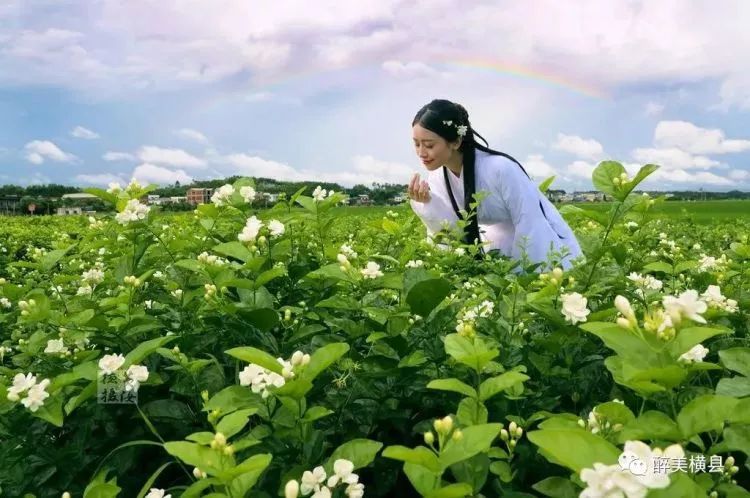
<point>435,213</point>
<point>532,231</point>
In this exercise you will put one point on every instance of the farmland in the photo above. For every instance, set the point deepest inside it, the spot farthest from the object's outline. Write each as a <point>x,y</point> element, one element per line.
<point>313,349</point>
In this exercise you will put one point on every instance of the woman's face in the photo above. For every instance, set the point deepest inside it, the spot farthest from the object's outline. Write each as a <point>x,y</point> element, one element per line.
<point>432,149</point>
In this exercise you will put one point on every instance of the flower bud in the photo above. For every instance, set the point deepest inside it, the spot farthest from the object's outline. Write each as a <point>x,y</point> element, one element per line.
<point>729,461</point>
<point>457,435</point>
<point>447,424</point>
<point>623,323</point>
<point>297,357</point>
<point>733,470</point>
<point>438,426</point>
<point>291,490</point>
<point>504,435</point>
<point>220,439</point>
<point>429,437</point>
<point>512,427</point>
<point>229,450</point>
<point>519,432</point>
<point>557,273</point>
<point>66,495</point>
<point>512,443</point>
<point>204,395</point>
<point>199,474</point>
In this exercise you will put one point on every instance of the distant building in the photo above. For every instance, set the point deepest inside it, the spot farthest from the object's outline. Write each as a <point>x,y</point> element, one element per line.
<point>197,196</point>
<point>362,200</point>
<point>79,196</point>
<point>555,195</point>
<point>70,210</point>
<point>10,204</point>
<point>400,198</point>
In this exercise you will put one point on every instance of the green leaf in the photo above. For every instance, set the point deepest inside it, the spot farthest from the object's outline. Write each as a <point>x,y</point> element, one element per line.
<point>250,354</point>
<point>476,439</point>
<point>494,385</point>
<point>737,387</point>
<point>210,461</point>
<point>263,318</point>
<point>545,185</point>
<point>689,337</point>
<point>453,385</point>
<point>315,413</point>
<point>640,176</point>
<point>557,487</point>
<point>418,456</point>
<point>457,490</point>
<point>736,359</point>
<point>680,485</point>
<point>233,398</point>
<point>603,175</point>
<point>474,354</point>
<point>144,349</point>
<point>471,411</point>
<point>576,449</point>
<point>361,452</point>
<point>323,358</point>
<point>235,249</point>
<point>659,266</point>
<point>651,425</point>
<point>623,342</point>
<point>424,296</point>
<point>150,481</point>
<point>52,410</point>
<point>233,423</point>
<point>423,480</point>
<point>705,413</point>
<point>190,264</point>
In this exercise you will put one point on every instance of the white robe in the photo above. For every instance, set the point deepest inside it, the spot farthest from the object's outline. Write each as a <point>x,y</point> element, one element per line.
<point>508,217</point>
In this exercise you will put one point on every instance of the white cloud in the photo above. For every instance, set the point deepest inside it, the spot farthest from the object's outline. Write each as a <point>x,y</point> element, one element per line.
<point>409,69</point>
<point>99,179</point>
<point>580,169</point>
<point>673,158</point>
<point>654,109</point>
<point>661,177</point>
<point>38,151</point>
<point>581,147</point>
<point>696,140</point>
<point>191,134</point>
<point>150,173</point>
<point>119,156</point>
<point>365,170</point>
<point>537,167</point>
<point>735,92</point>
<point>739,174</point>
<point>84,133</point>
<point>170,157</point>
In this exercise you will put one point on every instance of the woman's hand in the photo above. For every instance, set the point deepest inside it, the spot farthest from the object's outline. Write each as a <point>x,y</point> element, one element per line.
<point>419,190</point>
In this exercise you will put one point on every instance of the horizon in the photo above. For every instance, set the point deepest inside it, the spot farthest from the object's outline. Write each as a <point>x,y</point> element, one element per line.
<point>96,92</point>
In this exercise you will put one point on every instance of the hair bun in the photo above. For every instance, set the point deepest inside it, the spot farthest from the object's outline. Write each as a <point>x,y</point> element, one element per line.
<point>463,113</point>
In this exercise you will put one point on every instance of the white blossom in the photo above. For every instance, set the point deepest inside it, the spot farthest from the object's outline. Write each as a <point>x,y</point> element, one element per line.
<point>110,363</point>
<point>342,472</point>
<point>21,383</point>
<point>574,307</point>
<point>222,195</point>
<point>250,231</point>
<point>372,270</point>
<point>319,194</point>
<point>414,263</point>
<point>93,276</point>
<point>133,211</point>
<point>311,480</point>
<point>5,302</point>
<point>55,346</point>
<point>36,395</point>
<point>114,188</point>
<point>276,228</point>
<point>136,374</point>
<point>687,305</point>
<point>695,355</point>
<point>157,493</point>
<point>248,193</point>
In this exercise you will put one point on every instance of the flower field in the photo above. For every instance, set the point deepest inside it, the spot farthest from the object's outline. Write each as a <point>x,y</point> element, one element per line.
<point>315,350</point>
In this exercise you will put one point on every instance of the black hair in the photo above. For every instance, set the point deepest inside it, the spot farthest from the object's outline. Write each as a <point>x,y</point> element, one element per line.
<point>444,118</point>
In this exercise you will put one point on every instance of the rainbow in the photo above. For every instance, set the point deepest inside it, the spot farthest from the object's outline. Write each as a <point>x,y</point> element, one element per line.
<point>526,72</point>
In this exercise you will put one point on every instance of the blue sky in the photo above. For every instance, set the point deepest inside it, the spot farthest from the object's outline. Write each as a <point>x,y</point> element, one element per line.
<point>103,90</point>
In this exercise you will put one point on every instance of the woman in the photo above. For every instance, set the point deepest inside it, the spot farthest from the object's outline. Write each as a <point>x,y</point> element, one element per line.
<point>514,217</point>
